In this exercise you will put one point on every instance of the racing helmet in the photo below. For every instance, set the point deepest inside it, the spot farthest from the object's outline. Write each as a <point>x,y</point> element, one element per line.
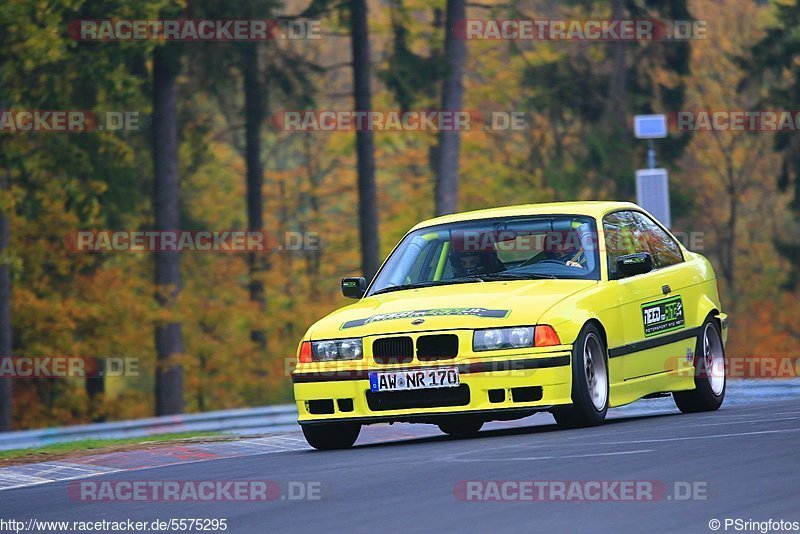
<point>470,262</point>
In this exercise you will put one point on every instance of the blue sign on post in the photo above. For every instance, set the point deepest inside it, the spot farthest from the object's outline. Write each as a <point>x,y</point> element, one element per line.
<point>650,126</point>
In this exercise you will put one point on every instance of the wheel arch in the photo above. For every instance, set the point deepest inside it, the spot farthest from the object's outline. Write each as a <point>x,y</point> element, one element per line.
<point>715,314</point>
<point>717,317</point>
<point>603,336</point>
<point>721,320</point>
<point>707,307</point>
<point>569,331</point>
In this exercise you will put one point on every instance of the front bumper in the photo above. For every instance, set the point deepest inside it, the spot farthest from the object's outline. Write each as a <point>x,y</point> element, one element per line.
<point>496,388</point>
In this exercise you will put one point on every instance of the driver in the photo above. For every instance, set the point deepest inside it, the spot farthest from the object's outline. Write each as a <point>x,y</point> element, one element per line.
<point>471,263</point>
<point>570,254</point>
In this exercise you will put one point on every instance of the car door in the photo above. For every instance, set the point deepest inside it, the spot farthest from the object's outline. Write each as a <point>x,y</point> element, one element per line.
<point>652,304</point>
<point>678,308</point>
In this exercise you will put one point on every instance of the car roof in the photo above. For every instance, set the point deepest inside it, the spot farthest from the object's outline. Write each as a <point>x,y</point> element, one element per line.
<point>591,208</point>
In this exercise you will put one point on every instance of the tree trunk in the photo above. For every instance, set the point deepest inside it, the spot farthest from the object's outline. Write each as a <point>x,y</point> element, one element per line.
<point>618,97</point>
<point>616,114</point>
<point>166,190</point>
<point>5,311</point>
<point>94,385</point>
<point>314,178</point>
<point>254,113</point>
<point>729,270</point>
<point>365,146</point>
<point>447,156</point>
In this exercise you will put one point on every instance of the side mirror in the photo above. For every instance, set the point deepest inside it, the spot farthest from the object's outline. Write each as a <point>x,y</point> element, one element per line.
<point>354,287</point>
<point>632,264</point>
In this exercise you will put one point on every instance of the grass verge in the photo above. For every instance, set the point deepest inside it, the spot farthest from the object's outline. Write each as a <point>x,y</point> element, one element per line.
<point>55,451</point>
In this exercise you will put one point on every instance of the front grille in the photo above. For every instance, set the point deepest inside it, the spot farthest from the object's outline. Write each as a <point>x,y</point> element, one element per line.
<point>393,349</point>
<point>419,398</point>
<point>437,347</point>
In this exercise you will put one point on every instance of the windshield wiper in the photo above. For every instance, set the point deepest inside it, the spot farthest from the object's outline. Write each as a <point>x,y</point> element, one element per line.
<point>510,275</point>
<point>461,280</point>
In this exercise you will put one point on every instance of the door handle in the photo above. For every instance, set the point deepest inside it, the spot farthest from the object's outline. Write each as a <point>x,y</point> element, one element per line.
<point>666,289</point>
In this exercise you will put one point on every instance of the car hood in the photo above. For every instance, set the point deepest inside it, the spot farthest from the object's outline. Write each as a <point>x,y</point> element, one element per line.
<point>474,305</point>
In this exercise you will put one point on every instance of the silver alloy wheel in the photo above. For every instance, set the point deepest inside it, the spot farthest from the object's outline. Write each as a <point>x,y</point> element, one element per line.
<point>594,363</point>
<point>714,359</point>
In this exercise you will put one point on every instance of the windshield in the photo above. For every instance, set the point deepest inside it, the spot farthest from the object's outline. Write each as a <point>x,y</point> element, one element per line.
<point>510,248</point>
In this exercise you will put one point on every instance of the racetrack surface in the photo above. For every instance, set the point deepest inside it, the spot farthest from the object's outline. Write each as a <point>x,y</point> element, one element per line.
<point>405,477</point>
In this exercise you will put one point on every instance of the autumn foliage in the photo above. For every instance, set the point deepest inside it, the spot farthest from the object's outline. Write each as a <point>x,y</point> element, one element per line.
<point>724,184</point>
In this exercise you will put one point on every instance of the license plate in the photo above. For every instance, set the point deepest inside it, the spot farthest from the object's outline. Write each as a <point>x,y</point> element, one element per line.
<point>441,377</point>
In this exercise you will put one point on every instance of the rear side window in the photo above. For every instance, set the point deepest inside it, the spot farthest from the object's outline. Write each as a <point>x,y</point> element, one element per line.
<point>663,248</point>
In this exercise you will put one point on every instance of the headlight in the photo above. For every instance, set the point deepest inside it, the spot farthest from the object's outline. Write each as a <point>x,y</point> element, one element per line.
<point>502,338</point>
<point>336,349</point>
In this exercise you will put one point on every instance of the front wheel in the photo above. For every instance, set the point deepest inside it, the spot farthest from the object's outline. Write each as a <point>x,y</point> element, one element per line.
<point>329,436</point>
<point>709,376</point>
<point>589,382</point>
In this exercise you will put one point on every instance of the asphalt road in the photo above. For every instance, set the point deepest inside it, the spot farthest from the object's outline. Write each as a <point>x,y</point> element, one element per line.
<point>742,462</point>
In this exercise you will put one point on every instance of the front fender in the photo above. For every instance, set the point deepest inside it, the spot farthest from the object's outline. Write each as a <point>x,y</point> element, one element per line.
<point>598,303</point>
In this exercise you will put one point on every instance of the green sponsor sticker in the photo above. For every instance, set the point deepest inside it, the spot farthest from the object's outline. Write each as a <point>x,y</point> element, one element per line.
<point>435,312</point>
<point>663,315</point>
<point>635,259</point>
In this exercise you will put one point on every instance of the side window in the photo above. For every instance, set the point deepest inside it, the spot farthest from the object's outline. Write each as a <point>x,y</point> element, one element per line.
<point>664,249</point>
<point>622,236</point>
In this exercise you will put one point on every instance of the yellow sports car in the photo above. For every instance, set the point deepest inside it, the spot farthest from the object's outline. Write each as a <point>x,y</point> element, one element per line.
<point>498,314</point>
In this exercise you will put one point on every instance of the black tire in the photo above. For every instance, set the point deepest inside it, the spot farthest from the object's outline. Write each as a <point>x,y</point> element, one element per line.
<point>703,397</point>
<point>583,411</point>
<point>329,436</point>
<point>461,427</point>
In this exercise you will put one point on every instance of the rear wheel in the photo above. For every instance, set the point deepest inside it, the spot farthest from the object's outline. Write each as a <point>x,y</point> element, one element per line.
<point>709,373</point>
<point>328,436</point>
<point>589,381</point>
<point>461,427</point>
